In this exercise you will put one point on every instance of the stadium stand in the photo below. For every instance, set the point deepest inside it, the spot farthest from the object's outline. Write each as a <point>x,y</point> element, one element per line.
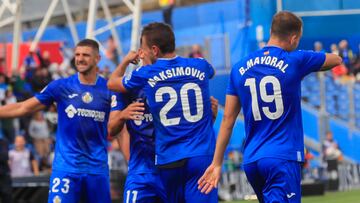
<point>220,30</point>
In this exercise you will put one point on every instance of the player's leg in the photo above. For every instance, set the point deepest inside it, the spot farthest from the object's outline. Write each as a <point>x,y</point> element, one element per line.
<point>255,179</point>
<point>173,180</point>
<point>65,187</point>
<point>283,180</point>
<point>97,188</point>
<point>144,188</point>
<point>195,168</point>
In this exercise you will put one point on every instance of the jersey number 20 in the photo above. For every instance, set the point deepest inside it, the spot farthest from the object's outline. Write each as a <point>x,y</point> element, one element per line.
<point>268,98</point>
<point>184,98</point>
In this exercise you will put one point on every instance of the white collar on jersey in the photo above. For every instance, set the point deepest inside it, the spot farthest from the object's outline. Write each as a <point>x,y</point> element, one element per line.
<point>167,59</point>
<point>94,83</point>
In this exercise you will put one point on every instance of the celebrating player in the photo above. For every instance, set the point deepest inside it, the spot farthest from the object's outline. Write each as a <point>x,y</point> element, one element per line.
<point>267,85</point>
<point>177,93</point>
<point>143,183</point>
<point>83,101</point>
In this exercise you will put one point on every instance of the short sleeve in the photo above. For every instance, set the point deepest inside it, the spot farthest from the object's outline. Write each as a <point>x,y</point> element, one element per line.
<point>231,88</point>
<point>48,95</point>
<point>135,79</point>
<point>311,61</point>
<point>117,101</point>
<point>210,69</point>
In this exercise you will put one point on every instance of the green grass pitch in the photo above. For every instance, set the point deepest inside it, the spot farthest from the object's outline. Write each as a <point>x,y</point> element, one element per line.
<point>329,197</point>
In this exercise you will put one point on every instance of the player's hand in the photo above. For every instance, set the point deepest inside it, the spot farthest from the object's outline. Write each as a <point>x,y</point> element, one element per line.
<point>210,179</point>
<point>132,57</point>
<point>133,111</point>
<point>214,107</point>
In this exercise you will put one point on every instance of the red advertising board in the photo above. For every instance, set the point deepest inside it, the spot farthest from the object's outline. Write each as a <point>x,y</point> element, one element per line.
<point>52,47</point>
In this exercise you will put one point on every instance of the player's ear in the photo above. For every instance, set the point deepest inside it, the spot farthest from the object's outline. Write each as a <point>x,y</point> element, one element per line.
<point>293,39</point>
<point>155,50</point>
<point>98,57</point>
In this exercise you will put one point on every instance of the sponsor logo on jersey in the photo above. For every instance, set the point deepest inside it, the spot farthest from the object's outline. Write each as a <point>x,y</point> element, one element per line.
<point>87,97</point>
<point>290,195</point>
<point>147,117</point>
<point>71,111</point>
<point>73,95</point>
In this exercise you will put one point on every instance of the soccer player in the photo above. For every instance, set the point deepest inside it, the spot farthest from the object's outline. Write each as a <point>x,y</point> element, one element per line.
<point>267,85</point>
<point>80,168</point>
<point>143,183</point>
<point>177,94</point>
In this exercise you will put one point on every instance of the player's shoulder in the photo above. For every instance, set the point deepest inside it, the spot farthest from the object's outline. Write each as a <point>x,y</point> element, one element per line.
<point>197,60</point>
<point>101,80</point>
<point>199,63</point>
<point>298,55</point>
<point>302,52</point>
<point>141,70</point>
<point>60,81</point>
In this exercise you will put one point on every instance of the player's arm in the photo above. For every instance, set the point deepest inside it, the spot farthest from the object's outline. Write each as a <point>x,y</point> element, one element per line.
<point>331,61</point>
<point>26,107</point>
<point>124,143</point>
<point>117,119</point>
<point>214,107</point>
<point>212,174</point>
<point>115,82</point>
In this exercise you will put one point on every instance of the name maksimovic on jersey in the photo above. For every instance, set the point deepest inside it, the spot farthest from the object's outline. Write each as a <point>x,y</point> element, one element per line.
<point>175,72</point>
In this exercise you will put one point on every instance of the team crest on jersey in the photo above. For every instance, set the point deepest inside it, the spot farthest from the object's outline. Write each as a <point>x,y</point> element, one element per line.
<point>57,199</point>
<point>87,97</point>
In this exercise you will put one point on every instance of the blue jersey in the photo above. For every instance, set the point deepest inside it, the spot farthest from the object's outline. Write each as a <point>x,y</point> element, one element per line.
<point>83,113</point>
<point>268,84</point>
<point>142,143</point>
<point>177,92</point>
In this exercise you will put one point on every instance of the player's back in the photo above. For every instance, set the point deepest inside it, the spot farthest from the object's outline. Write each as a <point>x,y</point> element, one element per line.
<point>268,83</point>
<point>178,96</point>
<point>83,112</point>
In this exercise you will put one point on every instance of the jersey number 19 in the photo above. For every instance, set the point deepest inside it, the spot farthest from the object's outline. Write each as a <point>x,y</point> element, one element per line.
<point>268,98</point>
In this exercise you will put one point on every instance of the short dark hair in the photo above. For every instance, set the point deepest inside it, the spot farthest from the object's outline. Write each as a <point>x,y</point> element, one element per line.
<point>89,43</point>
<point>285,23</point>
<point>160,35</point>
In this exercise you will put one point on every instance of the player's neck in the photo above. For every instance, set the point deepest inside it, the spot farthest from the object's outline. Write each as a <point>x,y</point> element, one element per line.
<point>87,78</point>
<point>168,55</point>
<point>273,41</point>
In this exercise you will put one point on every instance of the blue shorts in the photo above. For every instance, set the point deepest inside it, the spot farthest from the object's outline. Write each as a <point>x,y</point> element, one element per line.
<point>72,187</point>
<point>275,180</point>
<point>181,182</point>
<point>144,188</point>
